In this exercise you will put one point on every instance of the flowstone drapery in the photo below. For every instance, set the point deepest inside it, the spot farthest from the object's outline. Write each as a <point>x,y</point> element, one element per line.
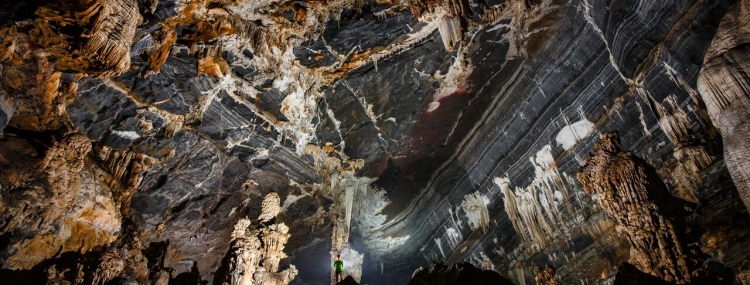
<point>724,86</point>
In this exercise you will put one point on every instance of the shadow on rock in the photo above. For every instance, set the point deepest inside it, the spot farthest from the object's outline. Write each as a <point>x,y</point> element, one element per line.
<point>457,274</point>
<point>348,281</point>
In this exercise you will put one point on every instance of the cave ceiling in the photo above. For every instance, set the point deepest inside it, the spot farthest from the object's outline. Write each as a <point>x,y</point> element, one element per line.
<point>403,131</point>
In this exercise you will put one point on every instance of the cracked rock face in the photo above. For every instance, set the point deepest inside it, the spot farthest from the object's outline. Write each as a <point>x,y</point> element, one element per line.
<point>136,136</point>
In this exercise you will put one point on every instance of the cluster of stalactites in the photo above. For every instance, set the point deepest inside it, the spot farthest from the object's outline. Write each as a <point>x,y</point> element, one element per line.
<point>691,155</point>
<point>124,170</point>
<point>112,27</point>
<point>256,253</point>
<point>627,191</point>
<point>475,207</point>
<point>537,210</point>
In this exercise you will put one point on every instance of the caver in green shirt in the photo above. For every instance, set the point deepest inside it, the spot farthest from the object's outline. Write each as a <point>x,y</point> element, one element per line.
<point>339,265</point>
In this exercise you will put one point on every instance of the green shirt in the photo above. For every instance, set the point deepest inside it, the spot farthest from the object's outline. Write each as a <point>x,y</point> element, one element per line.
<point>339,265</point>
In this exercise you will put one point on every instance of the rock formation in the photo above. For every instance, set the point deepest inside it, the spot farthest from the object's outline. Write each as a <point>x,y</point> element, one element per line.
<point>110,266</point>
<point>723,85</point>
<point>545,276</point>
<point>633,195</point>
<point>270,207</point>
<point>258,248</point>
<point>138,134</point>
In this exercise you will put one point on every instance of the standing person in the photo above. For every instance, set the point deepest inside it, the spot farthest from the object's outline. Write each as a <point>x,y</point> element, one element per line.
<point>338,265</point>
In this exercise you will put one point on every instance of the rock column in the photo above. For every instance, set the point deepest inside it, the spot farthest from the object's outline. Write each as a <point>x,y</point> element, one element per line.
<point>256,252</point>
<point>724,85</point>
<point>631,192</point>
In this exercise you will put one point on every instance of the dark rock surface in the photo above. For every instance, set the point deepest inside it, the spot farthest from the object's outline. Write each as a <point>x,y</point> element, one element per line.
<point>627,274</point>
<point>348,281</point>
<point>6,112</point>
<point>457,274</point>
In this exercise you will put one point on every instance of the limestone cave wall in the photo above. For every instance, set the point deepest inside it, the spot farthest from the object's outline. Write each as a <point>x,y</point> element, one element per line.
<point>249,142</point>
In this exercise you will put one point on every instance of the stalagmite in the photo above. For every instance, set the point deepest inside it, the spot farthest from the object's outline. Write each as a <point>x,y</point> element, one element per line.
<point>634,196</point>
<point>62,164</point>
<point>270,207</point>
<point>255,254</point>
<point>274,237</point>
<point>245,257</point>
<point>724,85</point>
<point>353,263</point>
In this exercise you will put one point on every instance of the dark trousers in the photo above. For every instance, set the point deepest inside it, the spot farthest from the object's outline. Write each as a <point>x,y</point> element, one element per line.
<point>339,276</point>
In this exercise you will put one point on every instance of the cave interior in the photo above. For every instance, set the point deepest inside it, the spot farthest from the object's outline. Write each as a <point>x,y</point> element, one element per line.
<point>250,142</point>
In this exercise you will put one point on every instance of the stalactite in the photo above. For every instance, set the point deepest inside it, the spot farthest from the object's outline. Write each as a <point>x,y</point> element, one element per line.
<point>699,109</point>
<point>537,211</point>
<point>454,238</point>
<point>110,265</point>
<point>511,206</point>
<point>631,192</point>
<point>690,154</point>
<point>112,29</point>
<point>450,31</point>
<point>439,243</point>
<point>519,274</point>
<point>349,193</point>
<point>475,207</point>
<point>483,262</point>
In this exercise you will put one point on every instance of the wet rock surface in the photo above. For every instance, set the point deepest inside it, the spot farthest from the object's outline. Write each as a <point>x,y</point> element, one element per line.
<point>134,135</point>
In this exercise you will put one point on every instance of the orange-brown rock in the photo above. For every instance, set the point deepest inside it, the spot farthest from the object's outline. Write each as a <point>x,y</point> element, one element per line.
<point>545,276</point>
<point>634,196</point>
